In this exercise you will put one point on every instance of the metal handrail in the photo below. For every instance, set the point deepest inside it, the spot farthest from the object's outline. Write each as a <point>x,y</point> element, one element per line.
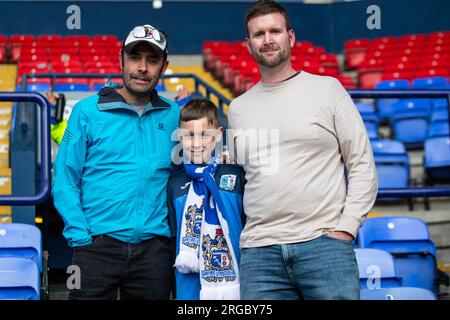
<point>45,174</point>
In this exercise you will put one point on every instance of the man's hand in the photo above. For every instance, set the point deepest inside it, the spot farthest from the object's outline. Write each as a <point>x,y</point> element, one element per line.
<point>340,235</point>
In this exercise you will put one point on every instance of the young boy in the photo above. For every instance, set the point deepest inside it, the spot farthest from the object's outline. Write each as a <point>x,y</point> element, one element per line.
<point>205,209</point>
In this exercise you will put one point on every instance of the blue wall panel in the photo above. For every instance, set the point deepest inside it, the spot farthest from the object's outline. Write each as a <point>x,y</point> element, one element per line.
<point>189,24</point>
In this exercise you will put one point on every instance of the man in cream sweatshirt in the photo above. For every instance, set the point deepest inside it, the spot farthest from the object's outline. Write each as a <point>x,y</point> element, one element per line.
<point>310,172</point>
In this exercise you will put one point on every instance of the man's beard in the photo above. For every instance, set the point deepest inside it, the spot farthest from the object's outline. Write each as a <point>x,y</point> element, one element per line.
<point>272,62</point>
<point>136,92</point>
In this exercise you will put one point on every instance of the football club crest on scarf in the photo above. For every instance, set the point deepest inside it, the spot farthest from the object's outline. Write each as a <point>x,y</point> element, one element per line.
<point>217,259</point>
<point>193,218</point>
<point>227,182</point>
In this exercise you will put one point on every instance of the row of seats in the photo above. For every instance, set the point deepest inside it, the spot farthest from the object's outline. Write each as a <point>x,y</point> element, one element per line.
<point>397,252</point>
<point>234,67</point>
<point>57,48</point>
<point>391,252</point>
<point>406,57</point>
<point>66,84</point>
<point>20,262</point>
<point>393,165</point>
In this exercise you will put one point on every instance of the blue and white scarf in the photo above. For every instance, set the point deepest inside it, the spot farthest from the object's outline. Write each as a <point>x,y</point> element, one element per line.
<point>205,246</point>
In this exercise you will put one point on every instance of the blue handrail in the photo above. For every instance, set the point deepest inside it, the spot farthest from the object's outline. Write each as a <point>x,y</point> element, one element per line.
<point>45,174</point>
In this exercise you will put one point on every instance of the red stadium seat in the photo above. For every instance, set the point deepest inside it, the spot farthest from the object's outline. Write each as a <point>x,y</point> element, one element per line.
<point>395,75</point>
<point>72,80</point>
<point>370,73</point>
<point>2,53</point>
<point>347,81</point>
<point>75,41</point>
<point>424,73</point>
<point>24,38</point>
<point>356,44</point>
<point>61,69</point>
<point>104,38</point>
<point>439,35</point>
<point>49,40</point>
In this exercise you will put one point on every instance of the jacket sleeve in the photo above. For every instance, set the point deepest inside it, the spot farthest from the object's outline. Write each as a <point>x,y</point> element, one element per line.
<point>171,213</point>
<point>358,158</point>
<point>68,169</point>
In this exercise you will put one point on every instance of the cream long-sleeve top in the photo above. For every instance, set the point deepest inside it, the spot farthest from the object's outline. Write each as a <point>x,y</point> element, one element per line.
<point>307,157</point>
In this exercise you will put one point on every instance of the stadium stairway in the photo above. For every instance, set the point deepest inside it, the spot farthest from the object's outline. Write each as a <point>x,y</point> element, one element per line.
<point>172,84</point>
<point>7,83</point>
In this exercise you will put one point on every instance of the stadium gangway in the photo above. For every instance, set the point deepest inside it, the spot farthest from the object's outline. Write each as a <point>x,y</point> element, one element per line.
<point>23,121</point>
<point>355,94</point>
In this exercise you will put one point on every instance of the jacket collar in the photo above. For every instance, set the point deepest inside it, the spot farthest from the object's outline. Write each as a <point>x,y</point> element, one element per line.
<point>110,99</point>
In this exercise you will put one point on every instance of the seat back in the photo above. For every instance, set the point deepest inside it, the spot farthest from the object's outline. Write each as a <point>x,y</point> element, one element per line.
<point>21,241</point>
<point>376,269</point>
<point>408,240</point>
<point>19,279</point>
<point>403,293</point>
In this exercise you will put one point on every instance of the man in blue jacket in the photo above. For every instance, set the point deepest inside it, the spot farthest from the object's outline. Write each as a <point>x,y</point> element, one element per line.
<point>111,173</point>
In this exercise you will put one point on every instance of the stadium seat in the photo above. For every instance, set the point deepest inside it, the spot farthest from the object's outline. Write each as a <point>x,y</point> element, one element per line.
<point>71,87</point>
<point>376,269</point>
<point>384,106</point>
<point>403,293</point>
<point>430,83</point>
<point>438,129</point>
<point>372,130</point>
<point>39,87</point>
<point>367,112</point>
<point>408,240</point>
<point>440,104</point>
<point>19,279</point>
<point>439,116</point>
<point>410,120</point>
<point>437,157</point>
<point>22,241</point>
<point>392,163</point>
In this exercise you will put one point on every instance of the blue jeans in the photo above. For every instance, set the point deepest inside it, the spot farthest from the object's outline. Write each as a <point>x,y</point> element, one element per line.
<point>324,268</point>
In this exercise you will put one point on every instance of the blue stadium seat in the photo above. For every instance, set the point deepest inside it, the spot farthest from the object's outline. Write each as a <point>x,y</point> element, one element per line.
<point>430,83</point>
<point>21,241</point>
<point>372,129</point>
<point>408,240</point>
<point>440,115</point>
<point>367,112</point>
<point>403,293</point>
<point>392,163</point>
<point>35,87</point>
<point>410,121</point>
<point>438,129</point>
<point>437,157</point>
<point>160,87</point>
<point>384,106</point>
<point>439,104</point>
<point>98,86</point>
<point>19,279</point>
<point>71,87</point>
<point>376,269</point>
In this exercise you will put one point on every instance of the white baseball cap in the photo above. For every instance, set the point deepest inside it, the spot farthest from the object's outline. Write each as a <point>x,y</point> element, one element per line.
<point>147,33</point>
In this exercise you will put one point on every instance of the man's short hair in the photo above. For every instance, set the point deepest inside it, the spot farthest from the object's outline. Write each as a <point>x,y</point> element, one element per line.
<point>263,7</point>
<point>200,108</point>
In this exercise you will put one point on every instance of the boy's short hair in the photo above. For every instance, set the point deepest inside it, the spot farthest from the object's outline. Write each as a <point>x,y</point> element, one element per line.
<point>200,108</point>
<point>263,7</point>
